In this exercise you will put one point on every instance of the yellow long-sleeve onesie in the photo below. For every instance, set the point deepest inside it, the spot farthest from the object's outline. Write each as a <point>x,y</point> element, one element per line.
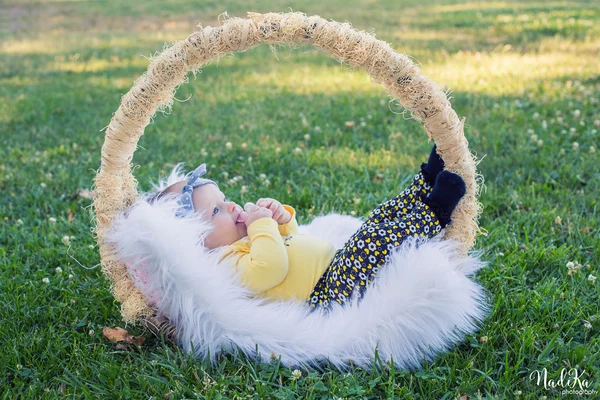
<point>276,262</point>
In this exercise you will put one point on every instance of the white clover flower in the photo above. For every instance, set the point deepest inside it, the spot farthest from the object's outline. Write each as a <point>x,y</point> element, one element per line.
<point>573,267</point>
<point>536,115</point>
<point>356,200</point>
<point>52,220</point>
<point>58,270</point>
<point>592,149</point>
<point>544,124</point>
<point>576,113</point>
<point>244,145</point>
<point>597,123</point>
<point>43,184</point>
<point>575,146</point>
<point>587,325</point>
<point>267,182</point>
<point>225,174</point>
<point>483,339</point>
<point>591,278</point>
<point>71,277</point>
<point>572,131</point>
<point>91,332</point>
<point>530,131</point>
<point>307,137</point>
<point>352,212</point>
<point>46,281</point>
<point>363,123</point>
<point>533,138</point>
<point>540,143</point>
<point>263,176</point>
<point>244,189</point>
<point>318,129</point>
<point>249,159</point>
<point>203,152</point>
<point>559,120</point>
<point>369,116</point>
<point>296,374</point>
<point>19,222</point>
<point>562,152</point>
<point>558,220</point>
<point>228,145</point>
<point>556,326</point>
<point>297,150</point>
<point>278,150</point>
<point>91,246</point>
<point>66,240</point>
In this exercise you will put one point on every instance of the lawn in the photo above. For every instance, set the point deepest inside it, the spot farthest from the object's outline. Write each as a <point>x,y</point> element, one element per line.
<point>524,74</point>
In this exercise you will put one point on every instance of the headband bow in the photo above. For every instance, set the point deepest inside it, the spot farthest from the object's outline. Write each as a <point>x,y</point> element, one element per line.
<point>185,202</point>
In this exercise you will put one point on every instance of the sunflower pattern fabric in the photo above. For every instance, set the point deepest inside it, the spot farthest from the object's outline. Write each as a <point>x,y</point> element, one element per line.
<point>355,265</point>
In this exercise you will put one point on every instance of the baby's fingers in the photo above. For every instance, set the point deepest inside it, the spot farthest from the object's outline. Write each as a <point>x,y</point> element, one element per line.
<point>278,212</point>
<point>264,202</point>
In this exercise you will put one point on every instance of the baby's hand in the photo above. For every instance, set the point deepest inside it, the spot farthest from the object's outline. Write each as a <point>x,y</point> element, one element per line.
<point>253,213</point>
<point>280,214</point>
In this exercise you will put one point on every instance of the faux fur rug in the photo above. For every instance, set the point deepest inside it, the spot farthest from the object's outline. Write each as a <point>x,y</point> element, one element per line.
<point>420,304</point>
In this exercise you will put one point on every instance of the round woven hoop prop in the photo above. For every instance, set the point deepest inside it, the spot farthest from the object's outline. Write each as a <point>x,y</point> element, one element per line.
<point>116,187</point>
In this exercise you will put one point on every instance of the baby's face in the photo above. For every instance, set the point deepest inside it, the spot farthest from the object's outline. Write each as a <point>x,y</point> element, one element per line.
<point>224,214</point>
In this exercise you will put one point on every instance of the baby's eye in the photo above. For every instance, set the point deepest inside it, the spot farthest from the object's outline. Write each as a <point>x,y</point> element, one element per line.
<point>216,210</point>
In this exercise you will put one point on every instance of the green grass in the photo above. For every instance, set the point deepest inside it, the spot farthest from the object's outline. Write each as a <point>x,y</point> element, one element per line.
<point>516,69</point>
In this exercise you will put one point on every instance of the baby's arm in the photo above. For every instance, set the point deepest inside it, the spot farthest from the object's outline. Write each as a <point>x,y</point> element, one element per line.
<point>266,265</point>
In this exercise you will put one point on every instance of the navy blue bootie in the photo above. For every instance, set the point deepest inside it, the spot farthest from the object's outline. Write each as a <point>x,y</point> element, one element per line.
<point>433,167</point>
<point>449,188</point>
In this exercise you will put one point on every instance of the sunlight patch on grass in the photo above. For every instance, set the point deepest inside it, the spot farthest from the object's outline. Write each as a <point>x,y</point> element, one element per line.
<point>349,158</point>
<point>507,73</point>
<point>59,44</point>
<point>310,80</point>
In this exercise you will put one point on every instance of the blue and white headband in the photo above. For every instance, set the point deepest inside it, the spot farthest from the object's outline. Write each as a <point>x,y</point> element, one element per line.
<point>186,205</point>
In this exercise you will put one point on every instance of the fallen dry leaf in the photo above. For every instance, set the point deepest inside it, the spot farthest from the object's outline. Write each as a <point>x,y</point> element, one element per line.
<point>86,194</point>
<point>70,217</point>
<point>350,124</point>
<point>121,335</point>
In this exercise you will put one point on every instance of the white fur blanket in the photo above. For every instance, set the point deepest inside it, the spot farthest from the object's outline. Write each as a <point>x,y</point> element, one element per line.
<point>420,304</point>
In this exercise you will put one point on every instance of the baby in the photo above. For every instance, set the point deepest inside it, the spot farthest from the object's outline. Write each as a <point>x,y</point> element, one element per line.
<point>277,263</point>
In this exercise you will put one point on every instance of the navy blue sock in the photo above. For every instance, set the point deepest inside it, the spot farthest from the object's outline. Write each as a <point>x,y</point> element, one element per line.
<point>433,167</point>
<point>449,188</point>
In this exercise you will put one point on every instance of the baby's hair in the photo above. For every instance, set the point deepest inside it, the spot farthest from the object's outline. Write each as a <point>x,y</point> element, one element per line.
<point>159,190</point>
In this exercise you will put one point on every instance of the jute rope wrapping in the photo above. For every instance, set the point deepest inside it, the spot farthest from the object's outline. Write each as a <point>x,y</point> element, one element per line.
<point>116,187</point>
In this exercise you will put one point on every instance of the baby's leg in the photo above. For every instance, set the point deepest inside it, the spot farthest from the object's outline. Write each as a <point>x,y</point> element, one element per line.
<point>421,186</point>
<point>399,206</point>
<point>357,263</point>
